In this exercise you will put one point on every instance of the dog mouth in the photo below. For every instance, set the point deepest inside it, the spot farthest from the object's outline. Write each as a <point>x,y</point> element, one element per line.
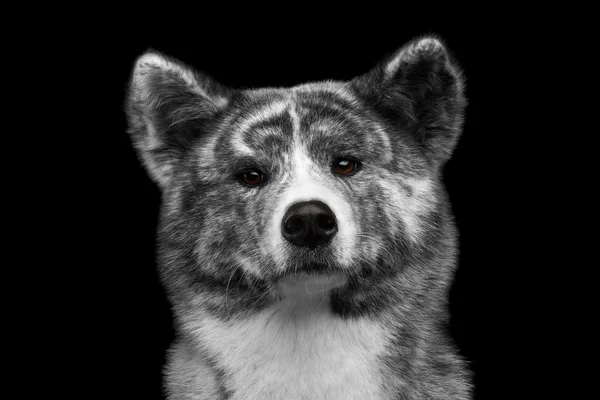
<point>311,279</point>
<point>308,285</point>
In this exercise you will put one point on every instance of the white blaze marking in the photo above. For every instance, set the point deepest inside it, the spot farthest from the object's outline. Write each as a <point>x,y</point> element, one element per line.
<point>295,123</point>
<point>307,183</point>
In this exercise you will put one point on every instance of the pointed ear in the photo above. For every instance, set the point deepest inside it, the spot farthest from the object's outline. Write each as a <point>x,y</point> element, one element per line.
<point>420,88</point>
<point>169,105</point>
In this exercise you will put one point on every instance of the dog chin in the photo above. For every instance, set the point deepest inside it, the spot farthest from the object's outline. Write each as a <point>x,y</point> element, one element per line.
<point>306,285</point>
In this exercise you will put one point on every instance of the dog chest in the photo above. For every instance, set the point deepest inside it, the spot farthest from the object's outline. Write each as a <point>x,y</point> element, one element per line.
<point>311,355</point>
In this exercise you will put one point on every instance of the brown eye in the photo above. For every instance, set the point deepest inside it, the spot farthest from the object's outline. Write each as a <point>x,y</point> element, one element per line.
<point>251,177</point>
<point>345,167</point>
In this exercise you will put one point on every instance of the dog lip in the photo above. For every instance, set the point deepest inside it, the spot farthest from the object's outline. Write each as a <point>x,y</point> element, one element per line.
<point>307,268</point>
<point>314,267</point>
<point>310,284</point>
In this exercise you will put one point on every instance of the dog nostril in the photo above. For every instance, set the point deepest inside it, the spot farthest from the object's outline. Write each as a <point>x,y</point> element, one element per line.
<point>294,226</point>
<point>325,222</point>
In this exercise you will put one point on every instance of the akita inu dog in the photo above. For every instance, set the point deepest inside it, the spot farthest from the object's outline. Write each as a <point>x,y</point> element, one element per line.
<point>306,240</point>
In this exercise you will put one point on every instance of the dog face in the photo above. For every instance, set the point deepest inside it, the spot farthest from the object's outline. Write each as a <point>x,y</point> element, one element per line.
<point>337,183</point>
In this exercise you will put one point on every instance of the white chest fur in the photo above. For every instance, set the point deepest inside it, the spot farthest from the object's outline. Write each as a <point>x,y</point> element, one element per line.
<point>291,351</point>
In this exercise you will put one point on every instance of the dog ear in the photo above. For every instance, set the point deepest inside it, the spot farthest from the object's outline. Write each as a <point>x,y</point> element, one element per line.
<point>168,105</point>
<point>420,88</point>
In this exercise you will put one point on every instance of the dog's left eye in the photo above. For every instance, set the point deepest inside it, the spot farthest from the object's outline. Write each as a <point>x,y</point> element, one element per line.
<point>345,166</point>
<point>251,177</point>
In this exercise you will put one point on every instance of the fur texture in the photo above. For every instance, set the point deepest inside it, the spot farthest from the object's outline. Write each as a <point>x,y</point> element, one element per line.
<point>361,316</point>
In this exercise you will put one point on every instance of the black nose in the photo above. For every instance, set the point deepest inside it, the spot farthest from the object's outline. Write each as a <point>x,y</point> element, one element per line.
<point>309,224</point>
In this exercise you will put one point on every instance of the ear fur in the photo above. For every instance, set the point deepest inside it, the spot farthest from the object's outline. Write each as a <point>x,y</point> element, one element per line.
<point>420,88</point>
<point>168,105</point>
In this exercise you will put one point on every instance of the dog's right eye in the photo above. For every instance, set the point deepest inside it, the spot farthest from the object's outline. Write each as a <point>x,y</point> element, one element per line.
<point>251,177</point>
<point>345,166</point>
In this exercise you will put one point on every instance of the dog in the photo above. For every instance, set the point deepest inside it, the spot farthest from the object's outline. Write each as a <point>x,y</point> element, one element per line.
<point>306,241</point>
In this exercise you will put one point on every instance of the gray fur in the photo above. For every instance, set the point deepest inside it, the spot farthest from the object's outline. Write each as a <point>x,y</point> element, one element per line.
<point>219,257</point>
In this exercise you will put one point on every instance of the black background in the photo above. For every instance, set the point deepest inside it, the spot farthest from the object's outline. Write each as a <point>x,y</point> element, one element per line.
<point>132,318</point>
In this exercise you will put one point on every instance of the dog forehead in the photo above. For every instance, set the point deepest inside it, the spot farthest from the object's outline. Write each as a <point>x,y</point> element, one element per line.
<point>320,116</point>
<point>264,127</point>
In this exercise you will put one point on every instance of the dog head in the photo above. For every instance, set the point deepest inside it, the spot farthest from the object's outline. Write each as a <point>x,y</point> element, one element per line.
<point>334,180</point>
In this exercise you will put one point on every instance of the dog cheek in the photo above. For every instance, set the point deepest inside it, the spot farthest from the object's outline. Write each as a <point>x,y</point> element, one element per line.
<point>212,230</point>
<point>249,223</point>
<point>370,220</point>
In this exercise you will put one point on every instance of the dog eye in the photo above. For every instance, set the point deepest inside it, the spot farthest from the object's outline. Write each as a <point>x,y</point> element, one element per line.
<point>251,177</point>
<point>344,166</point>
